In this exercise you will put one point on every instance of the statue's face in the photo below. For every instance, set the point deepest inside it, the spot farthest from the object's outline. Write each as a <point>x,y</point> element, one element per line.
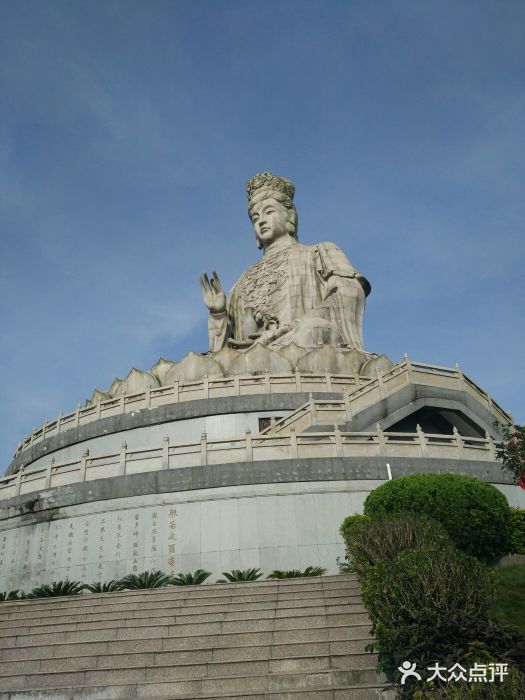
<point>270,220</point>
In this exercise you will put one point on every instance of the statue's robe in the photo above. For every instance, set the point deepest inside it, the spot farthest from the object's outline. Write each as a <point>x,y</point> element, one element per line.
<point>309,295</point>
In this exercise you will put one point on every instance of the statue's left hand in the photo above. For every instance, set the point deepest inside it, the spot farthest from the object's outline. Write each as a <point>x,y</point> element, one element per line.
<point>213,293</point>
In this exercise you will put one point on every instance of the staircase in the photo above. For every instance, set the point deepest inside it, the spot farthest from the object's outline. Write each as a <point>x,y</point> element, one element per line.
<point>295,639</point>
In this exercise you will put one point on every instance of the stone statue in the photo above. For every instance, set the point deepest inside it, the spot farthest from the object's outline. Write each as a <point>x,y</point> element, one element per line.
<point>307,295</point>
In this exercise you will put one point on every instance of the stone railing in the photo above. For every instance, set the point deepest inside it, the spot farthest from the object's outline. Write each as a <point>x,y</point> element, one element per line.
<point>357,392</point>
<point>247,448</point>
<point>333,411</point>
<point>207,388</point>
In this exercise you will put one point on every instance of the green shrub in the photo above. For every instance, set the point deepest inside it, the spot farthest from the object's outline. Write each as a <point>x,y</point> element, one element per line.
<point>146,579</point>
<point>57,588</point>
<point>475,514</point>
<point>238,575</point>
<point>512,688</point>
<point>351,522</point>
<point>9,595</point>
<point>369,541</point>
<point>105,586</point>
<point>517,536</point>
<point>190,579</point>
<point>298,573</point>
<point>459,638</point>
<point>427,583</point>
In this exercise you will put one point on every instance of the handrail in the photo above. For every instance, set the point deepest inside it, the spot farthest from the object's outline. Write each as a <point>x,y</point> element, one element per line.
<point>246,448</point>
<point>210,387</point>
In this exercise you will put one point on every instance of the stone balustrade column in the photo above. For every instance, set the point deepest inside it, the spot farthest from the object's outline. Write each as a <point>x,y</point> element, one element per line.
<point>381,439</point>
<point>147,397</point>
<point>204,449</point>
<point>313,409</point>
<point>206,386</point>
<point>49,471</point>
<point>293,443</point>
<point>459,442</point>
<point>338,442</point>
<point>249,446</point>
<point>18,484</point>
<point>348,403</point>
<point>423,445</point>
<point>492,446</point>
<point>380,383</point>
<point>77,416</point>
<point>166,453</point>
<point>60,418</point>
<point>83,465</point>
<point>122,461</point>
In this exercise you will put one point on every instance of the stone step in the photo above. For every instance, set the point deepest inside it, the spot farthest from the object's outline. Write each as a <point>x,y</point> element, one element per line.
<point>317,583</point>
<point>161,643</point>
<point>164,690</point>
<point>254,676</point>
<point>187,629</point>
<point>181,665</point>
<point>249,648</point>
<point>159,617</point>
<point>89,602</point>
<point>117,610</point>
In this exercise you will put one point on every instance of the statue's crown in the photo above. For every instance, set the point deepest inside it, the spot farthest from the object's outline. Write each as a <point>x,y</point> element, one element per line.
<point>267,181</point>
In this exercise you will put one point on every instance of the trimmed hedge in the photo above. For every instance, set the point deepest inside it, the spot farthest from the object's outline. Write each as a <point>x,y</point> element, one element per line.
<point>475,514</point>
<point>517,537</point>
<point>369,541</point>
<point>427,583</point>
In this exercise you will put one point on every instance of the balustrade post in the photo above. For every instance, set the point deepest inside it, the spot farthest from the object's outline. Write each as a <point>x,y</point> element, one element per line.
<point>338,442</point>
<point>348,403</point>
<point>410,369</point>
<point>77,416</point>
<point>328,381</point>
<point>293,443</point>
<point>18,484</point>
<point>236,385</point>
<point>422,440</point>
<point>298,381</point>
<point>249,446</point>
<point>166,452</point>
<point>122,461</point>
<point>381,439</point>
<point>49,469</point>
<point>147,397</point>
<point>459,441</point>
<point>206,386</point>
<point>492,446</point>
<point>380,383</point>
<point>60,418</point>
<point>122,405</point>
<point>83,465</point>
<point>44,429</point>
<point>204,449</point>
<point>99,410</point>
<point>267,384</point>
<point>357,380</point>
<point>461,381</point>
<point>313,409</point>
<point>32,437</point>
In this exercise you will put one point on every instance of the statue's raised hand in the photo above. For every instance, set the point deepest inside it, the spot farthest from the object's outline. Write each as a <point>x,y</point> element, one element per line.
<point>213,293</point>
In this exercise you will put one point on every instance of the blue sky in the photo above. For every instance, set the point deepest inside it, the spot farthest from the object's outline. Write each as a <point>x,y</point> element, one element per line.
<point>128,130</point>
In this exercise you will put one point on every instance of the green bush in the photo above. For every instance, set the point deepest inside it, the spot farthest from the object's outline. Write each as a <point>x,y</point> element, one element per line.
<point>517,535</point>
<point>475,514</point>
<point>427,583</point>
<point>459,638</point>
<point>190,579</point>
<point>57,588</point>
<point>105,586</point>
<point>10,595</point>
<point>351,522</point>
<point>369,541</point>
<point>512,688</point>
<point>298,573</point>
<point>146,579</point>
<point>238,575</point>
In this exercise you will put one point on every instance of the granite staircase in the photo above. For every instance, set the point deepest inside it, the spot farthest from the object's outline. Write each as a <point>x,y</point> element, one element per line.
<point>295,639</point>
